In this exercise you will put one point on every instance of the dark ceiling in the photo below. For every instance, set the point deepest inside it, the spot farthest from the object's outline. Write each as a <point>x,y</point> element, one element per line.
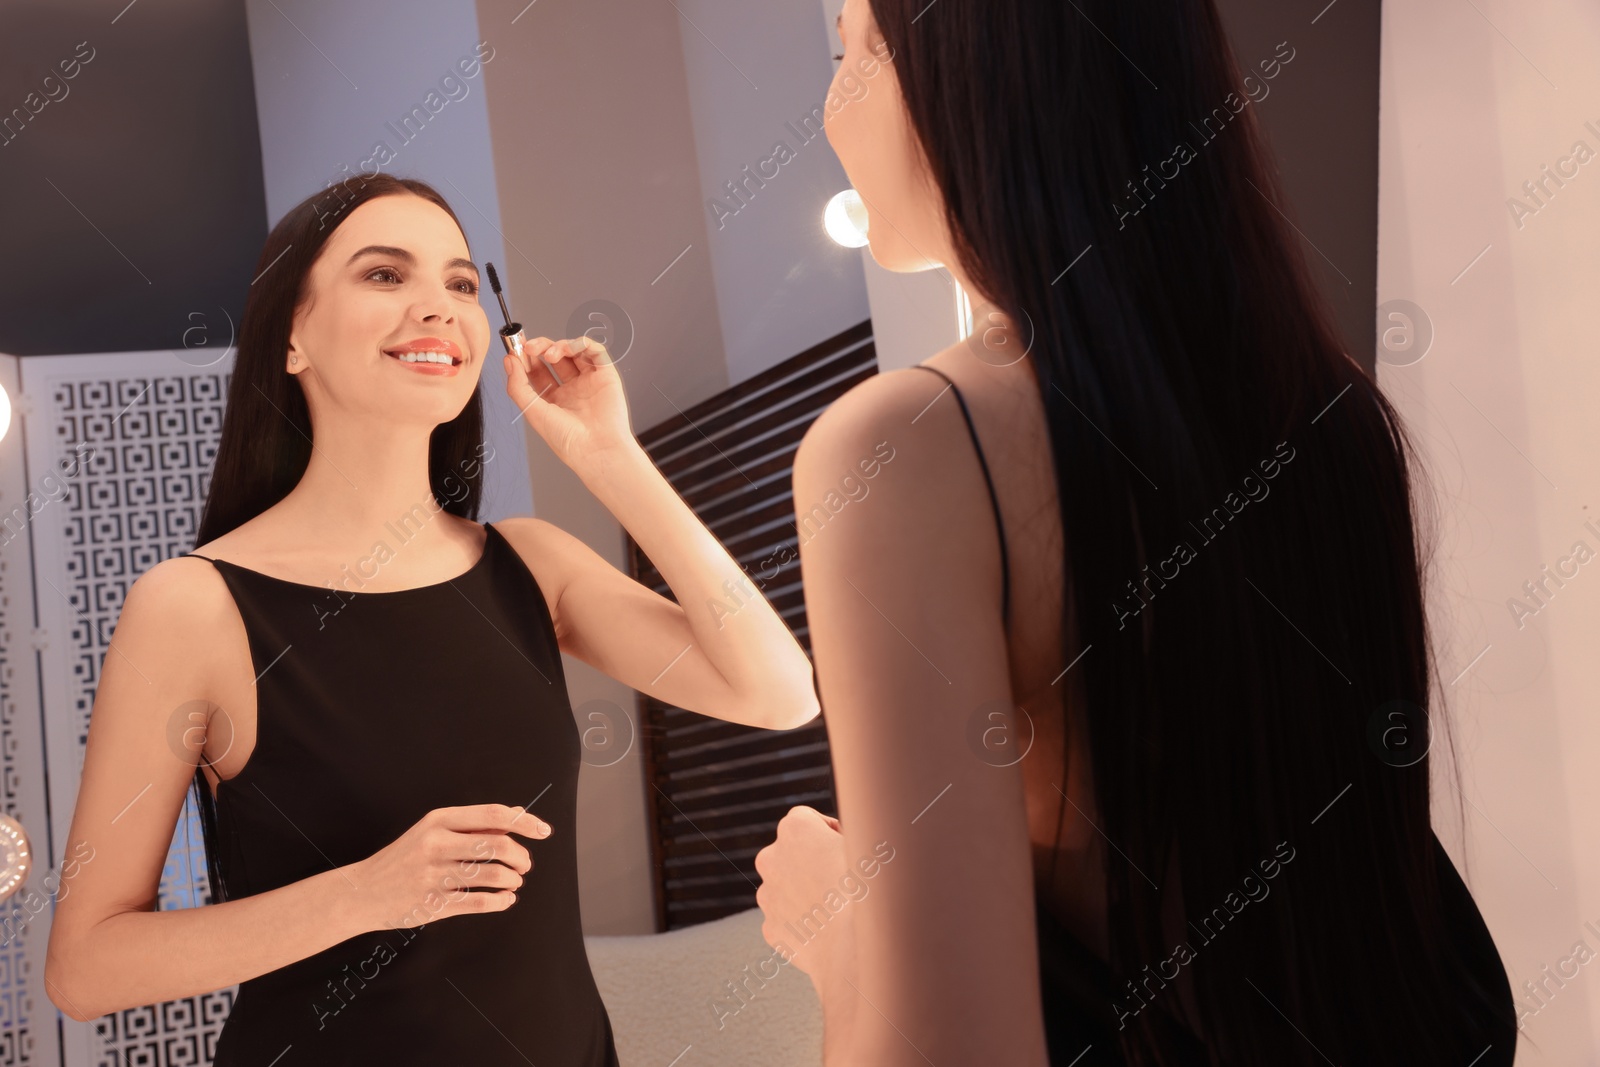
<point>131,201</point>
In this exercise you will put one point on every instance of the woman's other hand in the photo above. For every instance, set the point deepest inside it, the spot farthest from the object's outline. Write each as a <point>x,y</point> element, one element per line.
<point>585,417</point>
<point>453,861</point>
<point>803,865</point>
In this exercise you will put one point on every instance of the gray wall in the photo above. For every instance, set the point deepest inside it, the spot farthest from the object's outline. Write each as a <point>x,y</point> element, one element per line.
<point>594,156</point>
<point>757,77</point>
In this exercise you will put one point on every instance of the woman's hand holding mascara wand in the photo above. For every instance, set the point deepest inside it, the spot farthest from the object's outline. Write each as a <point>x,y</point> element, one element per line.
<point>751,672</point>
<point>570,392</point>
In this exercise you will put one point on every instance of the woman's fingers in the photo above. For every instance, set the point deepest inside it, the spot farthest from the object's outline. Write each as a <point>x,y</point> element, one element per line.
<point>525,387</point>
<point>593,355</point>
<point>550,363</point>
<point>544,366</point>
<point>491,818</point>
<point>532,348</point>
<point>577,349</point>
<point>567,359</point>
<point>528,357</point>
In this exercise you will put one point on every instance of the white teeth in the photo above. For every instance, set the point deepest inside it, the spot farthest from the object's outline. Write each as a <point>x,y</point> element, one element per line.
<point>424,357</point>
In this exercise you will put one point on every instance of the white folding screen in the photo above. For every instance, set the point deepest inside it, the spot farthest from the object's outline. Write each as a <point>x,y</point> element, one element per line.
<point>102,479</point>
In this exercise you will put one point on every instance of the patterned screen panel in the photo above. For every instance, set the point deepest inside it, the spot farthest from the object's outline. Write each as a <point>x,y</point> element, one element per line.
<point>119,449</point>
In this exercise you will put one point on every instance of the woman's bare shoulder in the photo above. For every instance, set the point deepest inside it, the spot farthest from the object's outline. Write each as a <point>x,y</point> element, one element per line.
<point>891,435</point>
<point>181,594</point>
<point>888,403</point>
<point>169,625</point>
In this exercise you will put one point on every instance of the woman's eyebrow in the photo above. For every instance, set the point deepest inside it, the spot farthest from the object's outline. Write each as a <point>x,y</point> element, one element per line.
<point>383,250</point>
<point>406,257</point>
<point>838,24</point>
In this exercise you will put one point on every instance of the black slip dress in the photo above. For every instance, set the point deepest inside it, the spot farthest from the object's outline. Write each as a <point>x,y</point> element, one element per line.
<point>373,709</point>
<point>1080,991</point>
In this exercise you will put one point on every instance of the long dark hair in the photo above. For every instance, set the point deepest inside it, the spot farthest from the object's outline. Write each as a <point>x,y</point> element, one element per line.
<point>266,428</point>
<point>1241,694</point>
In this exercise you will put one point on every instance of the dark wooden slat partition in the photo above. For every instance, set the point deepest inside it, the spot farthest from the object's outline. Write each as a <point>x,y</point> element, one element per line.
<point>717,789</point>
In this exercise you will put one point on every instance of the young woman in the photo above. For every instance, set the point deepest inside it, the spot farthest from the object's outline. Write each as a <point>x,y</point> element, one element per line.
<point>364,686</point>
<point>1125,663</point>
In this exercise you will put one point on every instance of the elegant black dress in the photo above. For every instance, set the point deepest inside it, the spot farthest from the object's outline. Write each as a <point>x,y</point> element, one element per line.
<point>373,709</point>
<point>1079,989</point>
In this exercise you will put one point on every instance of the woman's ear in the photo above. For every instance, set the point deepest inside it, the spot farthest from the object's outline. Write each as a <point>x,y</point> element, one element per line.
<point>295,361</point>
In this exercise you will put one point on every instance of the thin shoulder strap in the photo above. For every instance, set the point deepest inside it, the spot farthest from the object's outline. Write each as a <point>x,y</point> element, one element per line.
<point>197,555</point>
<point>1005,571</point>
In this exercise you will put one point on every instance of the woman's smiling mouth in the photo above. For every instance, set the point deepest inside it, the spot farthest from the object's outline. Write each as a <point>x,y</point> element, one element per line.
<point>430,355</point>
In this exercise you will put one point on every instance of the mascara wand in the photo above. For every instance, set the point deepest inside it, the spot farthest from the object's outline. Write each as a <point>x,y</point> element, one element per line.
<point>511,333</point>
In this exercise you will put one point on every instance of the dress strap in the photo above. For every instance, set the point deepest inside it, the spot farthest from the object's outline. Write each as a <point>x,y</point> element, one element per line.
<point>1005,571</point>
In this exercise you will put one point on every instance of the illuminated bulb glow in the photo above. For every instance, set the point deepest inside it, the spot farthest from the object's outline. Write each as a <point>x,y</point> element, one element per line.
<point>845,219</point>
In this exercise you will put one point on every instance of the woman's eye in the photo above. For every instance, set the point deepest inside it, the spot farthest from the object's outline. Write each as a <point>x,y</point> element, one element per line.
<point>838,59</point>
<point>461,285</point>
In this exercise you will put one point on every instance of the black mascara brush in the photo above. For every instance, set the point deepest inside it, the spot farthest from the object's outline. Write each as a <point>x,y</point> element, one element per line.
<point>511,333</point>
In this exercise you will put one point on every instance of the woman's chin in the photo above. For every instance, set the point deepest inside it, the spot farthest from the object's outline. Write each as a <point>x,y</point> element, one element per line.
<point>894,256</point>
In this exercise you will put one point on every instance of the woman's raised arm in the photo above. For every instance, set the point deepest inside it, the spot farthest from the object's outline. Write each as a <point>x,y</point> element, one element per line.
<point>721,650</point>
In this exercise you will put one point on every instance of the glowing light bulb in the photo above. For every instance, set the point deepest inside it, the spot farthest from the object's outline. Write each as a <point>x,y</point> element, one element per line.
<point>5,412</point>
<point>845,219</point>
